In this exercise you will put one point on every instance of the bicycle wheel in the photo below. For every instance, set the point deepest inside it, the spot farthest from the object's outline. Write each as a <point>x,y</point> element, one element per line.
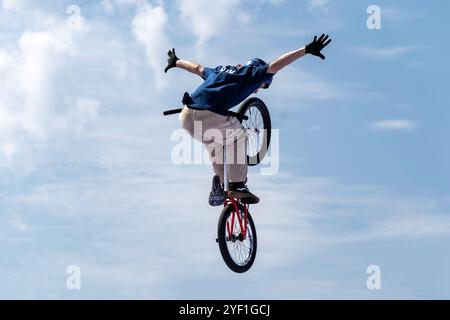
<point>238,251</point>
<point>258,127</point>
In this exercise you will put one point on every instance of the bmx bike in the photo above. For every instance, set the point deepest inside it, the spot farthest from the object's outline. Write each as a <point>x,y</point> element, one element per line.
<point>236,231</point>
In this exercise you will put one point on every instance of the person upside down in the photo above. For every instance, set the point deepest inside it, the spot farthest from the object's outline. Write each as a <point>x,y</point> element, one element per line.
<point>223,88</point>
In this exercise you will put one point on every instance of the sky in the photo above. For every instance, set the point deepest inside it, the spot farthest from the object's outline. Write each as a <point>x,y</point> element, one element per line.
<point>87,179</point>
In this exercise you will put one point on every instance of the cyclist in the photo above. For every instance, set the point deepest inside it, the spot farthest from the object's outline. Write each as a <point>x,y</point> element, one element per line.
<point>223,88</point>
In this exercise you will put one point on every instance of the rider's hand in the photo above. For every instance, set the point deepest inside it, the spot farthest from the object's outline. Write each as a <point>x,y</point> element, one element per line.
<point>317,45</point>
<point>171,60</point>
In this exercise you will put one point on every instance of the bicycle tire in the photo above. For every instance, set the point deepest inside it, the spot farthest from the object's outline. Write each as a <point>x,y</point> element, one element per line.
<point>245,109</point>
<point>223,242</point>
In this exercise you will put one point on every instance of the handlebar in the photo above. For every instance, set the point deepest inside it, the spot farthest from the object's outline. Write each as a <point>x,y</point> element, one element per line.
<point>170,112</point>
<point>230,113</point>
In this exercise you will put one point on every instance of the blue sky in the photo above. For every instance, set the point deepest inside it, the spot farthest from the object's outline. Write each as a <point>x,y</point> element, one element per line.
<point>85,171</point>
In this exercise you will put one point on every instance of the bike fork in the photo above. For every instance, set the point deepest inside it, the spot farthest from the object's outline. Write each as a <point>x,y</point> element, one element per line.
<point>241,217</point>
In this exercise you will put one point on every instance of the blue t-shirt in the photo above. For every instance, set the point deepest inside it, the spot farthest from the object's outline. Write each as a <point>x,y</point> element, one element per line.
<point>227,86</point>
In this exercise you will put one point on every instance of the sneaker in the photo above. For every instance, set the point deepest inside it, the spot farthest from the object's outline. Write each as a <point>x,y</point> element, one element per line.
<point>217,195</point>
<point>240,191</point>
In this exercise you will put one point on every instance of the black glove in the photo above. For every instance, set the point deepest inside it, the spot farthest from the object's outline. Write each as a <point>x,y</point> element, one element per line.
<point>316,46</point>
<point>171,60</point>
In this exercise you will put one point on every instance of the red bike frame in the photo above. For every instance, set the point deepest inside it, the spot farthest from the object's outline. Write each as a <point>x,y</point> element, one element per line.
<point>243,223</point>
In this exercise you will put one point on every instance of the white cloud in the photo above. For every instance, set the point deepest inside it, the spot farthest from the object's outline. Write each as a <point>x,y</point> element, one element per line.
<point>122,69</point>
<point>392,14</point>
<point>273,2</point>
<point>108,6</point>
<point>382,53</point>
<point>319,5</point>
<point>26,87</point>
<point>149,29</point>
<point>86,110</point>
<point>35,99</point>
<point>393,125</point>
<point>315,128</point>
<point>333,213</point>
<point>18,223</point>
<point>244,18</point>
<point>299,218</point>
<point>411,225</point>
<point>205,17</point>
<point>11,4</point>
<point>307,87</point>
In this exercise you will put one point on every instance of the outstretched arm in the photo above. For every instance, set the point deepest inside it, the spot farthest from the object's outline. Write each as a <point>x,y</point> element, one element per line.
<point>285,59</point>
<point>314,48</point>
<point>190,66</point>
<point>173,61</point>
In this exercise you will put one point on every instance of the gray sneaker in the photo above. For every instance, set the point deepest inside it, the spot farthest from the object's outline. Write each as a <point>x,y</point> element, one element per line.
<point>217,195</point>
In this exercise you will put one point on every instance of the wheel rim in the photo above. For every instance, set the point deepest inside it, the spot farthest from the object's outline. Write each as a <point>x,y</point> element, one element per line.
<point>255,130</point>
<point>240,249</point>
